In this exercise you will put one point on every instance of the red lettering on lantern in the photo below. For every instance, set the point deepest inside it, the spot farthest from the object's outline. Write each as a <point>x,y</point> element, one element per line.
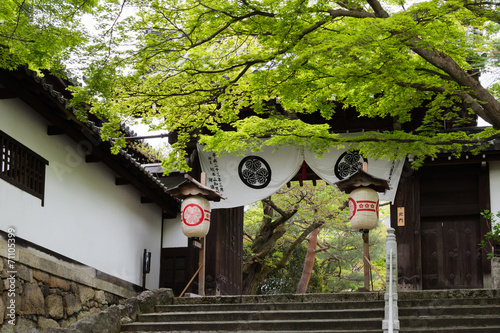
<point>192,215</point>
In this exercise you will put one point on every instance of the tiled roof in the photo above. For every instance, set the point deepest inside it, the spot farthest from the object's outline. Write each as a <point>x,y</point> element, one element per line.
<point>52,102</point>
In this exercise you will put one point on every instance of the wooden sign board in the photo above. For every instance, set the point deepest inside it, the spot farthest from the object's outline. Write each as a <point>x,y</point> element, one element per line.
<point>401,216</point>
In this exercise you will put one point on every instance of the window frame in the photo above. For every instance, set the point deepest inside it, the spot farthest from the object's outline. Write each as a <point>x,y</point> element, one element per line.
<point>22,167</point>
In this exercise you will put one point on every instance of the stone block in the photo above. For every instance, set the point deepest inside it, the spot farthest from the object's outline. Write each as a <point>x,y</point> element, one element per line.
<point>61,330</point>
<point>82,314</point>
<point>45,323</point>
<point>2,311</point>
<point>24,325</point>
<point>55,308</point>
<point>33,301</point>
<point>55,282</point>
<point>45,289</point>
<point>41,276</point>
<point>147,301</point>
<point>107,321</point>
<point>68,322</point>
<point>24,273</point>
<point>100,297</point>
<point>164,296</point>
<point>7,328</point>
<point>495,273</point>
<point>94,310</point>
<point>130,308</point>
<point>86,294</point>
<point>71,304</point>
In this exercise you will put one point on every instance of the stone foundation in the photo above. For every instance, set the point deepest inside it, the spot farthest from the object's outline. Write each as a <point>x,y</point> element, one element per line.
<point>495,273</point>
<point>39,291</point>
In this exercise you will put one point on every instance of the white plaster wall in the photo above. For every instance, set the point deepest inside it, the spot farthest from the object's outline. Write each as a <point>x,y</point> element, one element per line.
<point>495,186</point>
<point>172,233</point>
<point>85,216</point>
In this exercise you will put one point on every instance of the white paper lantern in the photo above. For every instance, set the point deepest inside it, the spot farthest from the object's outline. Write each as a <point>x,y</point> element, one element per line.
<point>195,215</point>
<point>363,208</point>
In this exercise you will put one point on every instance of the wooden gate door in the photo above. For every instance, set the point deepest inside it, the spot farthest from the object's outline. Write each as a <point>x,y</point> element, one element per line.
<point>450,227</point>
<point>223,275</point>
<point>176,268</point>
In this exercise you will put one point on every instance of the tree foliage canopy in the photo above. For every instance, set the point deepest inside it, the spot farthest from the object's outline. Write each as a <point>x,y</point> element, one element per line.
<point>42,34</point>
<point>195,64</point>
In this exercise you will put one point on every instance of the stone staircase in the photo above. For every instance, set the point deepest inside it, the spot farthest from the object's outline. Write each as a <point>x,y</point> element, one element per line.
<point>420,311</point>
<point>450,311</point>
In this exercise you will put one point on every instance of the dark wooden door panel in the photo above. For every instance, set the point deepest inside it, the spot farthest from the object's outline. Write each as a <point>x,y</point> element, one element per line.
<point>176,268</point>
<point>451,227</point>
<point>225,246</point>
<point>451,258</point>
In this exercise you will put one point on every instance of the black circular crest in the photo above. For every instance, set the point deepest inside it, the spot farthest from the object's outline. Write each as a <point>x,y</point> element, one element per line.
<point>348,163</point>
<point>254,172</point>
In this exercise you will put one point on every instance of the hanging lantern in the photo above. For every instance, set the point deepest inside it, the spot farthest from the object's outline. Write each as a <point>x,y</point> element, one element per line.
<point>195,207</point>
<point>363,198</point>
<point>363,208</point>
<point>195,215</point>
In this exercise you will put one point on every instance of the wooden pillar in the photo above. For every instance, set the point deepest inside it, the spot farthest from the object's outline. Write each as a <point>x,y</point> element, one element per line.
<point>201,262</point>
<point>366,248</point>
<point>366,258</point>
<point>201,265</point>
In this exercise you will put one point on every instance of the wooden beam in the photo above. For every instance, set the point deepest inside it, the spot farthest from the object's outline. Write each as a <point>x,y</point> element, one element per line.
<point>145,200</point>
<point>122,181</point>
<point>92,159</point>
<point>54,130</point>
<point>6,93</point>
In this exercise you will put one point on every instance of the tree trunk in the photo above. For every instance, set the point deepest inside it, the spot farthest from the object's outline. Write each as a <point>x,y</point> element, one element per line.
<point>308,262</point>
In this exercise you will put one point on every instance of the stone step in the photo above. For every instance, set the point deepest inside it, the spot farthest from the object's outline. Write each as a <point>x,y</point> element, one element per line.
<point>295,325</point>
<point>453,329</point>
<point>271,306</point>
<point>284,298</point>
<point>440,322</point>
<point>261,331</point>
<point>449,310</point>
<point>304,314</point>
<point>444,302</point>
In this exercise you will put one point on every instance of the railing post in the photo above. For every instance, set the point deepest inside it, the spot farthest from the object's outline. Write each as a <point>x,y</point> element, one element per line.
<point>391,322</point>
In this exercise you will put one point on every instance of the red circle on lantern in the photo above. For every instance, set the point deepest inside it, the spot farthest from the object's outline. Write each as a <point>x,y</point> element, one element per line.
<point>192,215</point>
<point>352,208</point>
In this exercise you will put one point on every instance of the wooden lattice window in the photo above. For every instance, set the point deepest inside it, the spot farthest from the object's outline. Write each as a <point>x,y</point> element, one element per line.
<point>22,167</point>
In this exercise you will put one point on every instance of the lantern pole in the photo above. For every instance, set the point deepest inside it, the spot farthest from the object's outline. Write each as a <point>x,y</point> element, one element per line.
<point>201,265</point>
<point>366,247</point>
<point>201,260</point>
<point>366,257</point>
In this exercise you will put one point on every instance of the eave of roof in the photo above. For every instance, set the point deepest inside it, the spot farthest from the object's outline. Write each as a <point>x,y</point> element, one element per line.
<point>57,110</point>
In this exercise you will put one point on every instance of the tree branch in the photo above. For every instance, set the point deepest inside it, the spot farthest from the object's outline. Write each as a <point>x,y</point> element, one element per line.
<point>491,107</point>
<point>336,13</point>
<point>378,9</point>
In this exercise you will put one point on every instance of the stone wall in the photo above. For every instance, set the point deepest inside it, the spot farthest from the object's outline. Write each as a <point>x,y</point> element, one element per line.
<point>41,291</point>
<point>495,273</point>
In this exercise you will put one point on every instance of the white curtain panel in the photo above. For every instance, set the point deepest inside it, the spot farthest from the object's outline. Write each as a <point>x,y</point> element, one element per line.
<point>249,178</point>
<point>255,176</point>
<point>341,163</point>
